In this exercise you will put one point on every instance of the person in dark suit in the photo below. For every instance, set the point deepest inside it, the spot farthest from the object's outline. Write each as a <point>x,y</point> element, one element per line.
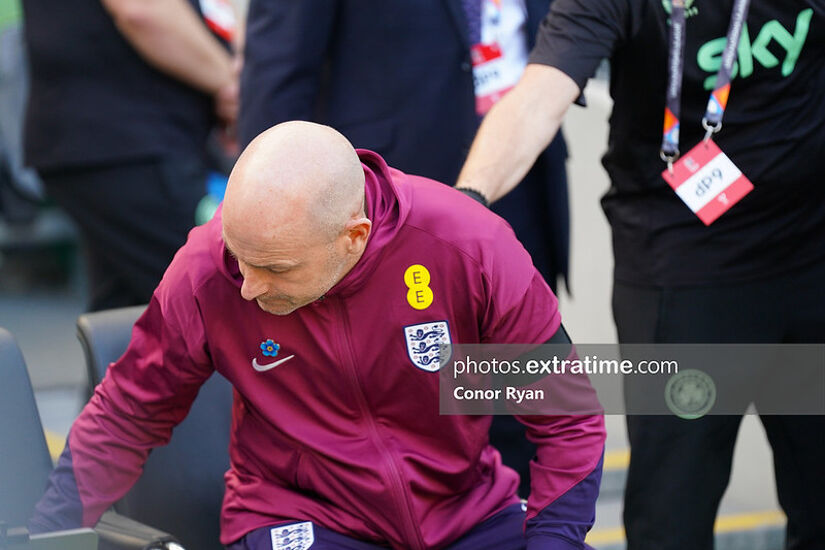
<point>398,78</point>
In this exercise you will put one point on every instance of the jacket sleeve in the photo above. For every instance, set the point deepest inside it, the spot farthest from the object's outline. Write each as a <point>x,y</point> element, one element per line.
<point>565,478</point>
<point>286,47</point>
<point>566,472</point>
<point>142,397</point>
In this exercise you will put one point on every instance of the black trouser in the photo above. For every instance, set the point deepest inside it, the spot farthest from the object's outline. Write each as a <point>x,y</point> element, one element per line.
<point>132,218</point>
<point>679,469</point>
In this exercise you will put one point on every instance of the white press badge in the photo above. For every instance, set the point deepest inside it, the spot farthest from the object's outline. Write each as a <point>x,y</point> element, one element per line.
<point>707,181</point>
<point>220,17</point>
<point>500,58</point>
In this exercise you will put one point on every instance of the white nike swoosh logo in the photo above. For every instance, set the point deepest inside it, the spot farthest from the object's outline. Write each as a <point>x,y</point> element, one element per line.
<point>263,368</point>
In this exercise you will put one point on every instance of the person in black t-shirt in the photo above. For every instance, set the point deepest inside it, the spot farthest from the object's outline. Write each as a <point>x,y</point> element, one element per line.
<point>124,94</point>
<point>754,275</point>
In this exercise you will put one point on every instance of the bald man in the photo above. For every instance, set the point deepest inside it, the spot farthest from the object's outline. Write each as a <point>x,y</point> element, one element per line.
<point>308,292</point>
<point>292,253</point>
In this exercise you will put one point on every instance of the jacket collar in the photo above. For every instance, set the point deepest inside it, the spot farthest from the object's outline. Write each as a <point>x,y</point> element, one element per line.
<point>386,210</point>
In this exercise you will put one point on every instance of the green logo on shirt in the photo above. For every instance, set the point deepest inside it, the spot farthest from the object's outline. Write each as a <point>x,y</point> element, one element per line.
<point>690,10</point>
<point>709,56</point>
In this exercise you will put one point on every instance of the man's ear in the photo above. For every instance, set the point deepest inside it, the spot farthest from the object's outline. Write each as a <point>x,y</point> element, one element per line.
<point>357,233</point>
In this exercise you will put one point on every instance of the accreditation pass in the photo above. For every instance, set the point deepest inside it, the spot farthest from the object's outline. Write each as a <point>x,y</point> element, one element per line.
<point>707,181</point>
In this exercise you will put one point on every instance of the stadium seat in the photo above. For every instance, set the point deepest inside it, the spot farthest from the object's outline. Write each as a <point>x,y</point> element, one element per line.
<point>26,462</point>
<point>23,452</point>
<point>182,486</point>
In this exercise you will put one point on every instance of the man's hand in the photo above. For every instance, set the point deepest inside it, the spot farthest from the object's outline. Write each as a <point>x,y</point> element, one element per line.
<point>227,105</point>
<point>227,100</point>
<point>516,130</point>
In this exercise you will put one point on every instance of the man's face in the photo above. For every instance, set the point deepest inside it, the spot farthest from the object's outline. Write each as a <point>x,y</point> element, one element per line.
<point>284,274</point>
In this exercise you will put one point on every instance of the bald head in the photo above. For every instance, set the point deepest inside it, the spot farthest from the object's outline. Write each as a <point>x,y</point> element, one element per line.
<point>293,215</point>
<point>299,177</point>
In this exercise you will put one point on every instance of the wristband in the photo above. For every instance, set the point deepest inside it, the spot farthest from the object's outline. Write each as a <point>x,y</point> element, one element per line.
<point>475,195</point>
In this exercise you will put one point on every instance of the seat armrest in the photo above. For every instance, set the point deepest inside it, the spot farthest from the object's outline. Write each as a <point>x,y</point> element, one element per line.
<point>118,532</point>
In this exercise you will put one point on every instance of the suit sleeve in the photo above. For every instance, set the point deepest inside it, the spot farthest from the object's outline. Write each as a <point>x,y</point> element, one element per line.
<point>566,472</point>
<point>133,410</point>
<point>286,48</point>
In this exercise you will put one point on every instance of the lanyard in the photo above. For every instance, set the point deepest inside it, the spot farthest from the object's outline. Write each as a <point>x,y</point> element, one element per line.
<point>712,121</point>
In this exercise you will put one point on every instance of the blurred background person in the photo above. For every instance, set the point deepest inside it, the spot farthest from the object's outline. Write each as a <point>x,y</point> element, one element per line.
<point>20,189</point>
<point>411,81</point>
<point>124,94</point>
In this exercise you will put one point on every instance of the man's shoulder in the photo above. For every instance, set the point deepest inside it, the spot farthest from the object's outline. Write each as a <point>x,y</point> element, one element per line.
<point>456,220</point>
<point>197,261</point>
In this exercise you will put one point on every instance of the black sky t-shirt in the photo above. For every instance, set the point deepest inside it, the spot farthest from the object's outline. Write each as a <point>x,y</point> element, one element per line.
<point>773,130</point>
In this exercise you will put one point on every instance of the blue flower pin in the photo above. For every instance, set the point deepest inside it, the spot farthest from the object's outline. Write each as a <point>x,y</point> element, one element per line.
<point>270,348</point>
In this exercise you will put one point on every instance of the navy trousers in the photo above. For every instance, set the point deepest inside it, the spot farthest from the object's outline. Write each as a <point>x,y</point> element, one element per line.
<point>503,531</point>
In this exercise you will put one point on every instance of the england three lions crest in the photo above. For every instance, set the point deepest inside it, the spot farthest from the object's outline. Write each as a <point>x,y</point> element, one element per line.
<point>295,536</point>
<point>425,343</point>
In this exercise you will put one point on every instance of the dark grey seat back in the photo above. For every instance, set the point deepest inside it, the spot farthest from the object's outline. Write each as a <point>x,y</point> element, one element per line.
<point>25,463</point>
<point>182,486</point>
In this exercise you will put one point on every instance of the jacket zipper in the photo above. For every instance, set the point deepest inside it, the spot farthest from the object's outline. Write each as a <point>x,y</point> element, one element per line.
<point>396,481</point>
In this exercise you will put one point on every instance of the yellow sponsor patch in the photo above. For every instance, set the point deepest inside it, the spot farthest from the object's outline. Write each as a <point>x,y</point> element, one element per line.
<point>417,279</point>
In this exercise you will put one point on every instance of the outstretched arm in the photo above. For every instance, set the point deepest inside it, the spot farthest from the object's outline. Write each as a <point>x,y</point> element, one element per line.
<point>516,130</point>
<point>142,397</point>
